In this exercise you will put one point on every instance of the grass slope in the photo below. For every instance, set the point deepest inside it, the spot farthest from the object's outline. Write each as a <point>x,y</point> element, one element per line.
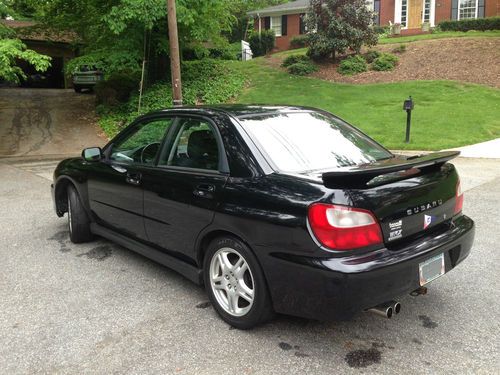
<point>447,114</point>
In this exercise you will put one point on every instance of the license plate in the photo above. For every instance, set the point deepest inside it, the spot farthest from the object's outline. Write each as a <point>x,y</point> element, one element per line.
<point>431,269</point>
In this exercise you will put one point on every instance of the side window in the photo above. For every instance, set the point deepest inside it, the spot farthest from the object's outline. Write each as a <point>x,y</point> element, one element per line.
<point>143,144</point>
<point>195,146</point>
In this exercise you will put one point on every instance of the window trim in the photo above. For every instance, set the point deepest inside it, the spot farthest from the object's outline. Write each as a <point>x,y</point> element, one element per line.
<point>223,167</point>
<point>475,12</point>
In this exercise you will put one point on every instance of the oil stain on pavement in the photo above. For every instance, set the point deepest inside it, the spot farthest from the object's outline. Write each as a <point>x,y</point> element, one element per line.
<point>363,358</point>
<point>427,322</point>
<point>99,253</point>
<point>62,240</point>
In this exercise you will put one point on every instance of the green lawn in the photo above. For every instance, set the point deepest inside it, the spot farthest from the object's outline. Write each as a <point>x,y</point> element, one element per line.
<point>447,114</point>
<point>440,35</point>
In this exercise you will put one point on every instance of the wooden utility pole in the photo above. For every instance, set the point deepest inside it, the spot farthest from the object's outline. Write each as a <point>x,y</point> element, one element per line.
<point>175,63</point>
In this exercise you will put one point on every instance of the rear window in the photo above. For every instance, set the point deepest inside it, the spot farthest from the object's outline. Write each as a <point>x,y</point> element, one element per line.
<point>309,141</point>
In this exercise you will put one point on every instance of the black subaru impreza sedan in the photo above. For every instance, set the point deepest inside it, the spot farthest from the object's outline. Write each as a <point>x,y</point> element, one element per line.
<point>272,208</point>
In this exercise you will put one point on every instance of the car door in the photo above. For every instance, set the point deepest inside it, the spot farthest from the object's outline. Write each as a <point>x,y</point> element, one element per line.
<point>115,184</point>
<point>182,194</point>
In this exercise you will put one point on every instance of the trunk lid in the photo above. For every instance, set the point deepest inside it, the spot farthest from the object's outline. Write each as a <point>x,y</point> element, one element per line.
<point>407,195</point>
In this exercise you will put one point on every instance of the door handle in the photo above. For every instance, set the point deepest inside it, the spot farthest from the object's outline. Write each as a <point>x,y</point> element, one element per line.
<point>204,191</point>
<point>133,178</point>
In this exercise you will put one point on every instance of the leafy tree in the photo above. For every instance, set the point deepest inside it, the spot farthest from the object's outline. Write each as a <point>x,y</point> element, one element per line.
<point>11,50</point>
<point>339,25</point>
<point>115,34</point>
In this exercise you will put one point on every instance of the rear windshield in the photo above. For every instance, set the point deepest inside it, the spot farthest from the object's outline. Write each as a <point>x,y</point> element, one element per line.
<point>309,141</point>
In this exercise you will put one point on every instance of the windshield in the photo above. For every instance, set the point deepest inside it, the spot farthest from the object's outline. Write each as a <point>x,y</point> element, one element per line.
<point>306,141</point>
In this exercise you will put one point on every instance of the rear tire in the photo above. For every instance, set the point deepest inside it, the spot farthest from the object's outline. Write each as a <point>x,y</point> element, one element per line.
<point>235,283</point>
<point>78,221</point>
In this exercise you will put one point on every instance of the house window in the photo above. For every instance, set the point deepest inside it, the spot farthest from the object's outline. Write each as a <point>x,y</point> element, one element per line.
<point>427,11</point>
<point>276,25</point>
<point>302,24</point>
<point>404,12</point>
<point>467,9</point>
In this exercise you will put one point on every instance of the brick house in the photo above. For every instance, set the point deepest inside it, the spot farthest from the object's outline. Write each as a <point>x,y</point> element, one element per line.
<point>287,20</point>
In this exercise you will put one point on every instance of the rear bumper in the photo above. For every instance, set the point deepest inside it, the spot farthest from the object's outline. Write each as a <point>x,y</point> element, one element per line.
<point>338,288</point>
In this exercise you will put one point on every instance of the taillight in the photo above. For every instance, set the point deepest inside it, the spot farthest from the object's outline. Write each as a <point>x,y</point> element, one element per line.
<point>459,199</point>
<point>343,228</point>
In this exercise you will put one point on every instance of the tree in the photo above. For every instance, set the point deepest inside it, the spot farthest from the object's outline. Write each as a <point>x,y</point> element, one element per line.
<point>12,50</point>
<point>114,33</point>
<point>339,25</point>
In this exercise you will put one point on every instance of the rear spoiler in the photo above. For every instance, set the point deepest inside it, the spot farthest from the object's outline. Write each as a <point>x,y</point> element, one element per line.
<point>360,176</point>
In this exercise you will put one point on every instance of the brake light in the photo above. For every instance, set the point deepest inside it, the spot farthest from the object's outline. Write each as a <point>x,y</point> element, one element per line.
<point>343,228</point>
<point>459,199</point>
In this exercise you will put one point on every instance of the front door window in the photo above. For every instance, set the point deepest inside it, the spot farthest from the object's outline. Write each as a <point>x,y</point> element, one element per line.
<point>141,145</point>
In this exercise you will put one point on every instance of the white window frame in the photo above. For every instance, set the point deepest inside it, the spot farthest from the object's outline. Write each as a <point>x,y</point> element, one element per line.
<point>272,25</point>
<point>475,13</point>
<point>432,12</point>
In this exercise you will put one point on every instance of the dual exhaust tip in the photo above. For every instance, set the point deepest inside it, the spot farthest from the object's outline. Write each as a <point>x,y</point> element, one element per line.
<point>386,309</point>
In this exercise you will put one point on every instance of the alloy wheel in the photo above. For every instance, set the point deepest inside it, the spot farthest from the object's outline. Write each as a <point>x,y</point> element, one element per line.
<point>232,282</point>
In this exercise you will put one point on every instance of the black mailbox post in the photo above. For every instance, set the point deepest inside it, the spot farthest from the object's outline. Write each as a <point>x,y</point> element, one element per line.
<point>408,106</point>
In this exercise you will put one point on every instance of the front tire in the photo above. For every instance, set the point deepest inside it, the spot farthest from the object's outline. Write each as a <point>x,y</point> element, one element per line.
<point>78,89</point>
<point>235,283</point>
<point>78,221</point>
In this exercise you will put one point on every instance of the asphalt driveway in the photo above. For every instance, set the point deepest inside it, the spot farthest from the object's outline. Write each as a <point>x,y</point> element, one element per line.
<point>99,308</point>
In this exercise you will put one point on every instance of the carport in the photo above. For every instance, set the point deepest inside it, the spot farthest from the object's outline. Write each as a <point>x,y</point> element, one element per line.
<point>59,46</point>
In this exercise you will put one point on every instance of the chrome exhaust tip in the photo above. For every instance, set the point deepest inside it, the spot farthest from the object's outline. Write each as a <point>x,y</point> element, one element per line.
<point>396,307</point>
<point>385,310</point>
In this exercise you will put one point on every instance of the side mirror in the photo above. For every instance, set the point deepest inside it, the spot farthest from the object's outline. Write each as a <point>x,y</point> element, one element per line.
<point>92,154</point>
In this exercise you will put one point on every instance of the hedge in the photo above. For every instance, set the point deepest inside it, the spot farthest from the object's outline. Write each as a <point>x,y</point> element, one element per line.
<point>479,24</point>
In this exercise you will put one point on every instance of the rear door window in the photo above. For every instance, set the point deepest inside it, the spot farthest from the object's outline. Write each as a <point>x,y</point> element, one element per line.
<point>195,146</point>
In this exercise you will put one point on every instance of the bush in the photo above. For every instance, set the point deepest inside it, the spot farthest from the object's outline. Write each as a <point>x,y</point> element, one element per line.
<point>293,59</point>
<point>385,62</point>
<point>380,30</point>
<point>222,53</point>
<point>352,65</point>
<point>195,52</point>
<point>117,88</point>
<point>479,24</point>
<point>302,68</point>
<point>371,55</point>
<point>399,49</point>
<point>262,43</point>
<point>206,81</point>
<point>299,41</point>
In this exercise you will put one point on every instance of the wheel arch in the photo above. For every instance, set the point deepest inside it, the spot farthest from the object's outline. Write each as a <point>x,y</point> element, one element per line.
<point>61,194</point>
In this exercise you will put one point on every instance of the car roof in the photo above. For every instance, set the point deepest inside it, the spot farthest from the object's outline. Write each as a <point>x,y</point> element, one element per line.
<point>239,111</point>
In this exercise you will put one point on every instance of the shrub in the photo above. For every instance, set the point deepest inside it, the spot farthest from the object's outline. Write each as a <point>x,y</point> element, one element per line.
<point>339,25</point>
<point>302,68</point>
<point>222,53</point>
<point>195,52</point>
<point>298,41</point>
<point>293,59</point>
<point>352,65</point>
<point>262,43</point>
<point>117,88</point>
<point>380,30</point>
<point>399,49</point>
<point>371,55</point>
<point>385,62</point>
<point>479,24</point>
